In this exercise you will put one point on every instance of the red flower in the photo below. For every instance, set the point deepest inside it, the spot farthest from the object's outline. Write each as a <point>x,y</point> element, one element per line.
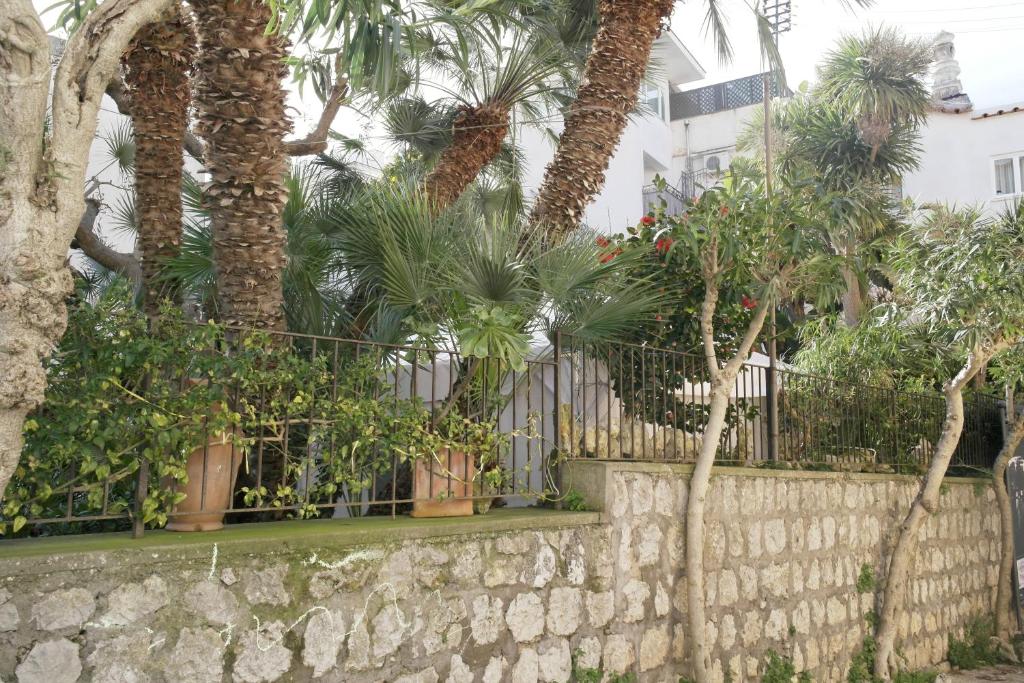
<point>658,318</point>
<point>663,245</point>
<point>724,211</point>
<point>647,220</point>
<point>748,303</point>
<point>602,242</point>
<point>605,258</point>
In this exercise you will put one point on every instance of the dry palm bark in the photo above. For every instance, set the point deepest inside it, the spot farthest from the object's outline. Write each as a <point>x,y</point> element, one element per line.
<point>476,141</point>
<point>157,69</point>
<point>241,118</point>
<point>611,84</point>
<point>42,172</point>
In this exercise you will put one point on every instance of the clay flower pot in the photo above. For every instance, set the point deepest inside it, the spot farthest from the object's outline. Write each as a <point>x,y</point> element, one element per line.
<point>432,496</point>
<point>208,495</point>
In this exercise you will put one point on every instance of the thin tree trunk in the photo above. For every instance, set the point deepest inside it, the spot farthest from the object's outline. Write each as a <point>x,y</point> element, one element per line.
<point>1004,589</point>
<point>157,77</point>
<point>924,505</point>
<point>242,120</point>
<point>722,381</point>
<point>853,298</point>
<point>476,142</point>
<point>610,86</point>
<point>41,200</point>
<point>853,301</point>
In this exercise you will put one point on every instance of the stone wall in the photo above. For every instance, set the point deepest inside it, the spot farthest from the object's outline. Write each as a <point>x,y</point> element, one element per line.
<point>512,596</point>
<point>784,552</point>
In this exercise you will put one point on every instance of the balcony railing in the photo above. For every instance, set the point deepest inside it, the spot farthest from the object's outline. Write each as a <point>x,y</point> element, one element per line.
<point>741,92</point>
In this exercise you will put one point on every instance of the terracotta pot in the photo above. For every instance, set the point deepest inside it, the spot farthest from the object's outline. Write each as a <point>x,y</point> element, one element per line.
<point>221,458</point>
<point>432,496</point>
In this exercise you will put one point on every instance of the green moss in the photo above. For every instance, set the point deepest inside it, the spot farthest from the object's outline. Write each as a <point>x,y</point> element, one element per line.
<point>305,533</point>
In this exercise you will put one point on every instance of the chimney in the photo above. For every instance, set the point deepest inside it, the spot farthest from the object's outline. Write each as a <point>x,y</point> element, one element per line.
<point>947,91</point>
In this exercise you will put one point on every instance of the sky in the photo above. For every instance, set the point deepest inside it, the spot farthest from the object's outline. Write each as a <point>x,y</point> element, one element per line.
<point>989,38</point>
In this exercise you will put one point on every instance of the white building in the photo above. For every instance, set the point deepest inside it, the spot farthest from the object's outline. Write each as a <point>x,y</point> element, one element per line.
<point>969,157</point>
<point>646,148</point>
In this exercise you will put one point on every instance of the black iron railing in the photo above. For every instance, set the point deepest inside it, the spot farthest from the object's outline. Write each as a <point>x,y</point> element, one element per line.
<point>325,427</point>
<point>740,92</point>
<point>345,428</point>
<point>632,401</point>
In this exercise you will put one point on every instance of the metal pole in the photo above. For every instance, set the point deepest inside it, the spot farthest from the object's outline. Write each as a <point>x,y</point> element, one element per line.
<point>557,421</point>
<point>773,402</point>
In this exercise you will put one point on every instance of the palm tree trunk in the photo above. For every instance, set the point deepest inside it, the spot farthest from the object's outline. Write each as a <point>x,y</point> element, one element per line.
<point>478,134</point>
<point>611,83</point>
<point>242,120</point>
<point>157,70</point>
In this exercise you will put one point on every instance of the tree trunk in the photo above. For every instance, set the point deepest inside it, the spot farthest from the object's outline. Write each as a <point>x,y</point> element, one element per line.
<point>723,379</point>
<point>1004,589</point>
<point>41,180</point>
<point>700,482</point>
<point>924,505</point>
<point>611,83</point>
<point>242,120</point>
<point>479,132</point>
<point>157,70</point>
<point>853,301</point>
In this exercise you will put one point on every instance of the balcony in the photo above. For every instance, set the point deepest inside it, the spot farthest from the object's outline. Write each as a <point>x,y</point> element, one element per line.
<point>741,92</point>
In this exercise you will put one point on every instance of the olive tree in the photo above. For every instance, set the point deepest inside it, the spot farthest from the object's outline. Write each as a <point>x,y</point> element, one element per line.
<point>47,132</point>
<point>738,236</point>
<point>959,282</point>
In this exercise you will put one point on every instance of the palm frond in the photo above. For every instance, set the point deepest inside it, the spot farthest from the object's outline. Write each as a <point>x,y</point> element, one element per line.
<point>715,24</point>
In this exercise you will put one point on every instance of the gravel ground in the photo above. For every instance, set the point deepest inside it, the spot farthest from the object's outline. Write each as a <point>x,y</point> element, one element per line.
<point>1009,674</point>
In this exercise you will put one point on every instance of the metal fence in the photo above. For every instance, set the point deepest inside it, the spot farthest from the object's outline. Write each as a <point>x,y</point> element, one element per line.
<point>734,94</point>
<point>319,426</point>
<point>636,402</point>
<point>324,427</point>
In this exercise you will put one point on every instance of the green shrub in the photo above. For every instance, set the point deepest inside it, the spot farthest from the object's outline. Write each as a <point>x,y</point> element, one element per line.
<point>977,648</point>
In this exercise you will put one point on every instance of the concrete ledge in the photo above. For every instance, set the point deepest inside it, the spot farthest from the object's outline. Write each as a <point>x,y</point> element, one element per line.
<point>84,552</point>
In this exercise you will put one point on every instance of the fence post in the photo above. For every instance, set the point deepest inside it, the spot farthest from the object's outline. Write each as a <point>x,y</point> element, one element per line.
<point>142,477</point>
<point>557,419</point>
<point>773,404</point>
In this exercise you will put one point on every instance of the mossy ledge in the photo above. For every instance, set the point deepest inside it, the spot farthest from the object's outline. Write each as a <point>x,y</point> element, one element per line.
<point>75,553</point>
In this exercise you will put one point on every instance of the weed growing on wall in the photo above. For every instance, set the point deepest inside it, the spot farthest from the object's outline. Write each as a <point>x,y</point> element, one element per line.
<point>977,649</point>
<point>779,669</point>
<point>866,580</point>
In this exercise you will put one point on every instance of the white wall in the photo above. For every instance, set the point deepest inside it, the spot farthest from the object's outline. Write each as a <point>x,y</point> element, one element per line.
<point>957,160</point>
<point>645,148</point>
<point>708,134</point>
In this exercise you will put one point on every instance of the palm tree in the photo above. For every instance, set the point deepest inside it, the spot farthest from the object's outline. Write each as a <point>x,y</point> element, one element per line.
<point>857,132</point>
<point>241,116</point>
<point>457,281</point>
<point>879,80</point>
<point>157,69</point>
<point>491,80</point>
<point>615,68</point>
<point>315,298</point>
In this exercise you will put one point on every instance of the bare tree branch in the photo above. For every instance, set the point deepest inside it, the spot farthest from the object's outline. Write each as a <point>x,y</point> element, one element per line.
<point>316,141</point>
<point>93,246</point>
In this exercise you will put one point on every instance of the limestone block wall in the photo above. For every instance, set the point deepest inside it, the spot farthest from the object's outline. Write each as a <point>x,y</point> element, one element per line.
<point>519,596</point>
<point>784,551</point>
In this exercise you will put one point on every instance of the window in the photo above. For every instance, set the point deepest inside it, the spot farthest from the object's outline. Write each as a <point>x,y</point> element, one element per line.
<point>1004,176</point>
<point>651,97</point>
